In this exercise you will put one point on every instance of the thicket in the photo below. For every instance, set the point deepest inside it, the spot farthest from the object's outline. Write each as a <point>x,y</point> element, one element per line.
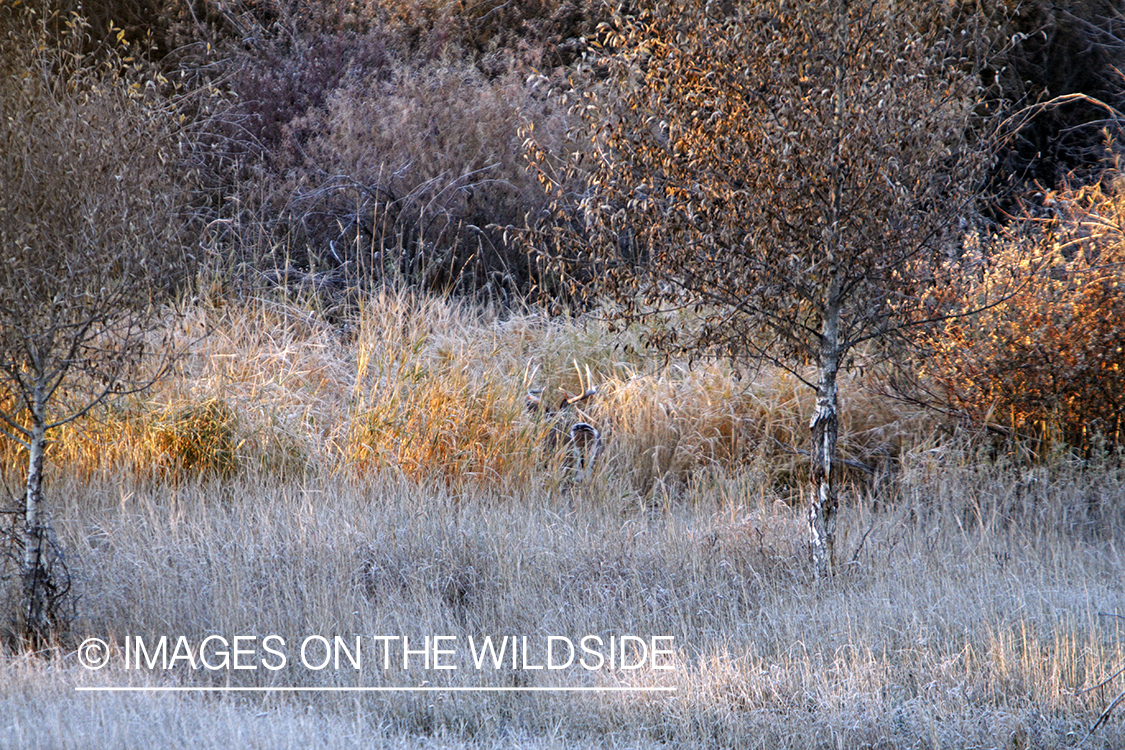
<point>362,144</point>
<point>378,139</point>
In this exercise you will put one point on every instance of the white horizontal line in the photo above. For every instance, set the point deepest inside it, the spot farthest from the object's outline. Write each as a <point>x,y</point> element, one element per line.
<point>372,689</point>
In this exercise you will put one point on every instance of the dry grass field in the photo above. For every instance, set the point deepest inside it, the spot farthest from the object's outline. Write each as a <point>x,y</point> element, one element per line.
<point>385,480</point>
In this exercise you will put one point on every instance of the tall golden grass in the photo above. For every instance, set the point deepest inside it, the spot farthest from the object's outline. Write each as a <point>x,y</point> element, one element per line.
<point>436,389</point>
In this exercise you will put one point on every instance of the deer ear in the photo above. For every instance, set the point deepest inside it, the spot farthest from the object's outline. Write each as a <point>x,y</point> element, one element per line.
<point>535,399</point>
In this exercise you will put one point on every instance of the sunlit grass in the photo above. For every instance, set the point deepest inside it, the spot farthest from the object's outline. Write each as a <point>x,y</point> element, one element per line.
<point>437,389</point>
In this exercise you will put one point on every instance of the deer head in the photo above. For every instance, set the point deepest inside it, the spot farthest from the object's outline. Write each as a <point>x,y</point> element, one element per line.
<point>578,440</point>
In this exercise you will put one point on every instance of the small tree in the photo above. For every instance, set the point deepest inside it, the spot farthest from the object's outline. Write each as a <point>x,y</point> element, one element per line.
<point>777,180</point>
<point>89,233</point>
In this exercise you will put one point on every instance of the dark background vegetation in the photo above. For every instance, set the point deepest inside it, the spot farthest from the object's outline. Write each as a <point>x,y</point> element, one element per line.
<point>331,147</point>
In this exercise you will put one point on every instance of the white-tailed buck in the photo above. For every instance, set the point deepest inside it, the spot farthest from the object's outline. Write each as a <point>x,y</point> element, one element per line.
<point>571,435</point>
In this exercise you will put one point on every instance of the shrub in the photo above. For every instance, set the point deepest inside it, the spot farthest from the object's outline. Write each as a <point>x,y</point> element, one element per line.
<point>1049,363</point>
<point>406,175</point>
<point>375,142</point>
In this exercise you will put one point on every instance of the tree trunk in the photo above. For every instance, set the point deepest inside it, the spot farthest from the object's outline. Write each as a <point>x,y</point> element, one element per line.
<point>36,573</point>
<point>824,427</point>
<point>825,420</point>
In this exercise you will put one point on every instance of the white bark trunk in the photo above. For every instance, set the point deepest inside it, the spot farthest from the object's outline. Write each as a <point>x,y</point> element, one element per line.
<point>36,575</point>
<point>824,426</point>
<point>825,420</point>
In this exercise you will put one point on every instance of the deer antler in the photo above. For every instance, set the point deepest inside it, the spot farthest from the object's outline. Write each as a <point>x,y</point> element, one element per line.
<point>589,391</point>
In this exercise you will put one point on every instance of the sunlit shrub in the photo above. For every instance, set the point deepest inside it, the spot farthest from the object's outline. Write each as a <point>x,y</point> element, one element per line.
<point>1049,362</point>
